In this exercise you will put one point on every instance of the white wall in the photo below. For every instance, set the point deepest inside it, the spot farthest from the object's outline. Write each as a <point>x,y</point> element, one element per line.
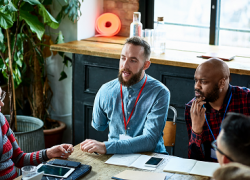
<point>84,28</point>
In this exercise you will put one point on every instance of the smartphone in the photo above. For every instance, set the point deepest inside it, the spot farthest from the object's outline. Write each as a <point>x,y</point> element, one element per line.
<point>153,162</point>
<point>56,171</point>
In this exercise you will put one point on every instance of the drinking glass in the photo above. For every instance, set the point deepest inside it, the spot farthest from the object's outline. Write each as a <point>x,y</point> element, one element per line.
<point>28,171</point>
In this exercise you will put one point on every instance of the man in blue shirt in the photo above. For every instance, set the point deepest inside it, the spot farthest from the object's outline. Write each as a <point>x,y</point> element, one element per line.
<point>134,106</point>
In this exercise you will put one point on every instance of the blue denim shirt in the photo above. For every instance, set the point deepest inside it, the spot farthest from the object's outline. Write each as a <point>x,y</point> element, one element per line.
<point>147,122</point>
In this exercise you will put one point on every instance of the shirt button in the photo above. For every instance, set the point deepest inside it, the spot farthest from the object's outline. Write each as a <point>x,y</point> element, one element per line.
<point>128,112</point>
<point>129,96</point>
<point>128,127</point>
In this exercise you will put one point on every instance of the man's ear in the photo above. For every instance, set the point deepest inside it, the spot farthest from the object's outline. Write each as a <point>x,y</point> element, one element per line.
<point>222,83</point>
<point>146,65</point>
<point>225,160</point>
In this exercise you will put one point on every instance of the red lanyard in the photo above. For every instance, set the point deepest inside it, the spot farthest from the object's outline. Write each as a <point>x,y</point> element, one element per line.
<point>125,124</point>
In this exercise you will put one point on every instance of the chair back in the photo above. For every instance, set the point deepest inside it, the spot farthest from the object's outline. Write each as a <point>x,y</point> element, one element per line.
<point>169,131</point>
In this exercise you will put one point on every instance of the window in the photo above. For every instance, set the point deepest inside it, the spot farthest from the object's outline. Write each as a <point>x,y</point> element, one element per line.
<point>219,22</point>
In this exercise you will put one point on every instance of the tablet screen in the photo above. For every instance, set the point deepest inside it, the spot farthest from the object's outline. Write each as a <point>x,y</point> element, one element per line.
<point>53,170</point>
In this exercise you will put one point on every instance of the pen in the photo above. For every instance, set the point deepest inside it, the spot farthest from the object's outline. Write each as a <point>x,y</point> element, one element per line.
<point>96,153</point>
<point>223,59</point>
<point>117,178</point>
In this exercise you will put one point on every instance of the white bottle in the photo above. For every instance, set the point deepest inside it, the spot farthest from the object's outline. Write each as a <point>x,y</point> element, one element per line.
<point>136,25</point>
<point>159,37</point>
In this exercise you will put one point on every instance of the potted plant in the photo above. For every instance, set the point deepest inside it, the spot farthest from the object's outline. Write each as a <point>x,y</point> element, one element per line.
<point>22,44</point>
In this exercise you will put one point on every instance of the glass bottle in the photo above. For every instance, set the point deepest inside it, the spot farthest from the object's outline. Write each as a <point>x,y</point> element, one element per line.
<point>159,38</point>
<point>136,25</point>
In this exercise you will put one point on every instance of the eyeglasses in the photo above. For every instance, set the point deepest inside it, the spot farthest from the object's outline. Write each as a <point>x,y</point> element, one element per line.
<point>2,95</point>
<point>215,147</point>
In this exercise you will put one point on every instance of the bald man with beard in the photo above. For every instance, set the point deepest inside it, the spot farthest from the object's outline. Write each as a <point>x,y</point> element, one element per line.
<point>214,97</point>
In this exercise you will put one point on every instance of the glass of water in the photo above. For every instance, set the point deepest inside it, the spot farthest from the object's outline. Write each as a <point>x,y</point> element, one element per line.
<point>28,171</point>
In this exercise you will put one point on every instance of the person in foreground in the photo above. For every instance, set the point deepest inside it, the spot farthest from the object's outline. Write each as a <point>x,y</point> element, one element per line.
<point>134,106</point>
<point>12,155</point>
<point>214,97</point>
<point>233,148</point>
<point>232,171</point>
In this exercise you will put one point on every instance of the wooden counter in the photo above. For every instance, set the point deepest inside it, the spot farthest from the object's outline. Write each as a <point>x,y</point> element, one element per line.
<point>180,54</point>
<point>96,61</point>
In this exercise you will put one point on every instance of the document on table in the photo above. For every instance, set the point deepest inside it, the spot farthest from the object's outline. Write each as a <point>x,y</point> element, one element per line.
<point>130,160</point>
<point>139,175</point>
<point>190,166</point>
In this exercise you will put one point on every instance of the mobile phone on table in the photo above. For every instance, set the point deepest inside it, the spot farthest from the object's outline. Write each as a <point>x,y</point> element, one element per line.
<point>153,162</point>
<point>56,171</point>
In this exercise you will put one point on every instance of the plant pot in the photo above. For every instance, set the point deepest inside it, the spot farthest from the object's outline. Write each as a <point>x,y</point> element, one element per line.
<point>30,135</point>
<point>54,136</point>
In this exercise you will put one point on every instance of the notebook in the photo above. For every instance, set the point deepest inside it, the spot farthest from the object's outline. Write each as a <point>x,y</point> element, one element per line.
<point>190,166</point>
<point>130,160</point>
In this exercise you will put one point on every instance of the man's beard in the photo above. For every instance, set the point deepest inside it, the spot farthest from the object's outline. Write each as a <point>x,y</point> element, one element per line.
<point>133,80</point>
<point>212,96</point>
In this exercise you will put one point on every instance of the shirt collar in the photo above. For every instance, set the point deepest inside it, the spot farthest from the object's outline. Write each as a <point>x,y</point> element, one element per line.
<point>139,84</point>
<point>229,91</point>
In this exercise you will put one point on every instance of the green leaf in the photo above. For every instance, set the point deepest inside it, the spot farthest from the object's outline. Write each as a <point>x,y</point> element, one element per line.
<point>35,25</point>
<point>19,62</point>
<point>47,17</point>
<point>60,38</point>
<point>32,2</point>
<point>65,61</point>
<point>47,2</point>
<point>1,36</point>
<point>2,47</point>
<point>17,77</point>
<point>61,53</point>
<point>3,2</point>
<point>73,10</point>
<point>5,20</point>
<point>8,9</point>
<point>27,7</point>
<point>61,14</point>
<point>63,76</point>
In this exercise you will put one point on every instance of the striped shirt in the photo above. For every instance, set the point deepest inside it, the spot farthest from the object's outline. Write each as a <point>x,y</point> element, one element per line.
<point>13,155</point>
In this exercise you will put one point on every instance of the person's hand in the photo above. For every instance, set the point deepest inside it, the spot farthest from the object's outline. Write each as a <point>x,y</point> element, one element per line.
<point>197,113</point>
<point>63,151</point>
<point>90,146</point>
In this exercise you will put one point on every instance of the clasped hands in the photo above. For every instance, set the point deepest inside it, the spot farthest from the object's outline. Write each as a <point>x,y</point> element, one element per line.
<point>197,113</point>
<point>91,146</point>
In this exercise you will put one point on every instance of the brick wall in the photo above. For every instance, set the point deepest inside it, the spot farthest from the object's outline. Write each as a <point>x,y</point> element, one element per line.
<point>124,10</point>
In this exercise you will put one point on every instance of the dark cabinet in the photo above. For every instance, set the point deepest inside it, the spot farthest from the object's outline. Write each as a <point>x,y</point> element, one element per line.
<point>90,72</point>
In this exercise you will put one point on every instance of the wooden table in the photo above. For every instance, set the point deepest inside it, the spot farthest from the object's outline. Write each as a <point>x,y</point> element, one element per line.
<point>102,171</point>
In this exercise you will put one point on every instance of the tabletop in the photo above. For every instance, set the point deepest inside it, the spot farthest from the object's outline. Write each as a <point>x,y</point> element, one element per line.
<point>180,54</point>
<point>102,171</point>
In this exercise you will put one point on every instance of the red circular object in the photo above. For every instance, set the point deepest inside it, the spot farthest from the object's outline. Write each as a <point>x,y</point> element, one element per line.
<point>108,24</point>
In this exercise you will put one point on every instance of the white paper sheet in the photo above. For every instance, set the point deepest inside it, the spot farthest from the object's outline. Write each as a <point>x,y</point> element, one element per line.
<point>123,159</point>
<point>180,165</point>
<point>140,163</point>
<point>204,168</point>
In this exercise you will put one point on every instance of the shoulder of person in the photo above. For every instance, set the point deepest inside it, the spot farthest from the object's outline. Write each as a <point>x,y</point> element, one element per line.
<point>2,119</point>
<point>239,89</point>
<point>157,84</point>
<point>113,84</point>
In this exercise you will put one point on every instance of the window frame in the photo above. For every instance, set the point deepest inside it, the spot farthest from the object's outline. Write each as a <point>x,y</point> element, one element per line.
<point>146,7</point>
